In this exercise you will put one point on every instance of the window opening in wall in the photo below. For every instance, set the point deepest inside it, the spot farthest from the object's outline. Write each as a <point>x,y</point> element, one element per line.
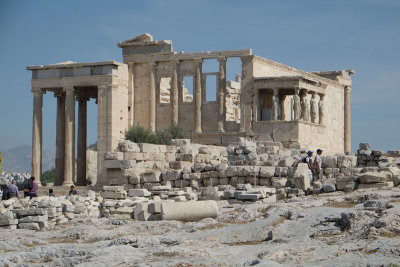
<point>211,88</point>
<point>187,89</point>
<point>165,90</point>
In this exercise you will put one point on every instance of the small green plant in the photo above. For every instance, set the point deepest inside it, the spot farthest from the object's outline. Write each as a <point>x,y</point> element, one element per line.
<point>48,176</point>
<point>138,134</point>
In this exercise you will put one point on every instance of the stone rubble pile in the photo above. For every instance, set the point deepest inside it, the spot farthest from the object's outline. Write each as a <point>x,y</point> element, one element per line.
<point>43,212</point>
<point>266,164</point>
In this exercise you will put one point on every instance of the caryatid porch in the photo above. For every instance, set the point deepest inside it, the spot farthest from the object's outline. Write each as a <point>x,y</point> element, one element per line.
<point>283,105</point>
<point>107,83</point>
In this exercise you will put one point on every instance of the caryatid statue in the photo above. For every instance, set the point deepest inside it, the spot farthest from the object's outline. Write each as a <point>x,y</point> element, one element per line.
<point>275,107</point>
<point>296,105</point>
<point>314,108</point>
<point>321,106</point>
<point>305,107</point>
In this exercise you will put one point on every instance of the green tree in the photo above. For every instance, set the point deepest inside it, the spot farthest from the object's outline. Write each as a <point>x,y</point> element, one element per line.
<point>48,176</point>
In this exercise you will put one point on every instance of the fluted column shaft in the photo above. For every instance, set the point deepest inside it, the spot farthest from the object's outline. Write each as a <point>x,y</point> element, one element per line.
<point>175,96</point>
<point>130,95</point>
<point>198,98</point>
<point>347,119</point>
<point>221,94</point>
<point>37,134</point>
<point>69,161</point>
<point>152,96</point>
<point>60,140</point>
<point>82,141</point>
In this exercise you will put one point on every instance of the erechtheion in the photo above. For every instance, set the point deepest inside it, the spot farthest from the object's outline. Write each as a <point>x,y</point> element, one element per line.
<point>268,101</point>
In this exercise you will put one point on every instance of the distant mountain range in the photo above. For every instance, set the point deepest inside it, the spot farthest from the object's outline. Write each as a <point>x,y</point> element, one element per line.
<point>19,159</point>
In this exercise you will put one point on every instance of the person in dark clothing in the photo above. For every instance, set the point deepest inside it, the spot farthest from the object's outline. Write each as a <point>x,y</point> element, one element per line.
<point>51,193</point>
<point>33,186</point>
<point>72,191</point>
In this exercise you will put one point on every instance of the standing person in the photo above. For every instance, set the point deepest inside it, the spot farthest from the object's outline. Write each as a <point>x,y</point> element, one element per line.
<point>72,191</point>
<point>33,186</point>
<point>310,165</point>
<point>1,193</point>
<point>317,164</point>
<point>13,190</point>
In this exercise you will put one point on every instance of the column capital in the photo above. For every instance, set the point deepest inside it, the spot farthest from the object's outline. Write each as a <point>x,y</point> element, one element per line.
<point>347,88</point>
<point>82,98</point>
<point>321,96</point>
<point>152,64</point>
<point>130,64</point>
<point>276,91</point>
<point>221,59</point>
<point>36,90</point>
<point>68,89</point>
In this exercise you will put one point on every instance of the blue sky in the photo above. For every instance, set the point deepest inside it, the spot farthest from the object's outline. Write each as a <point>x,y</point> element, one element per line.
<point>363,35</point>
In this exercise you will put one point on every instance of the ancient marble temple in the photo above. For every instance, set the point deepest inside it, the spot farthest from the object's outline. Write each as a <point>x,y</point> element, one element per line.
<point>268,101</point>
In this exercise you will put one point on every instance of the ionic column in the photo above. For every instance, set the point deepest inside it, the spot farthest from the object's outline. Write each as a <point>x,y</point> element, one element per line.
<point>197,97</point>
<point>242,127</point>
<point>82,141</point>
<point>152,96</point>
<point>347,119</point>
<point>314,108</point>
<point>221,94</point>
<point>37,134</point>
<point>275,105</point>
<point>321,107</point>
<point>69,160</point>
<point>174,96</point>
<point>130,95</point>
<point>254,108</point>
<point>60,139</point>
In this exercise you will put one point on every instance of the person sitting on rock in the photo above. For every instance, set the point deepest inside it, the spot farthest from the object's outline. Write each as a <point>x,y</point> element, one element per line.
<point>72,191</point>
<point>13,190</point>
<point>310,165</point>
<point>51,193</point>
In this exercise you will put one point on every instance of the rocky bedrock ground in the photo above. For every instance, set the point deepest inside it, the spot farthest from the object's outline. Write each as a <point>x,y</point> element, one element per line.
<point>355,229</point>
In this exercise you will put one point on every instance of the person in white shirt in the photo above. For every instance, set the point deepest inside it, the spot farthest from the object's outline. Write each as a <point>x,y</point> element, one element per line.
<point>317,164</point>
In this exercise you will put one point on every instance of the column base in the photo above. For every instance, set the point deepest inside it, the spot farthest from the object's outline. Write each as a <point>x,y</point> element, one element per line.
<point>67,184</point>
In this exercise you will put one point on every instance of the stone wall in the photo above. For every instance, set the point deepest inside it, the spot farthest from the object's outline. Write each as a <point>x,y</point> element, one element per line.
<point>259,164</point>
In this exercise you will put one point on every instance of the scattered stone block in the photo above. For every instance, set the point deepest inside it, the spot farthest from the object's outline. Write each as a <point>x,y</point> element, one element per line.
<point>246,196</point>
<point>189,210</point>
<point>376,185</point>
<point>139,193</point>
<point>374,177</point>
<point>29,226</point>
<point>301,178</point>
<point>151,176</point>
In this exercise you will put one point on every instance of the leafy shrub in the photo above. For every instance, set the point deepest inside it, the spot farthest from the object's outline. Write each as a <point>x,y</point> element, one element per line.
<point>138,134</point>
<point>48,176</point>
